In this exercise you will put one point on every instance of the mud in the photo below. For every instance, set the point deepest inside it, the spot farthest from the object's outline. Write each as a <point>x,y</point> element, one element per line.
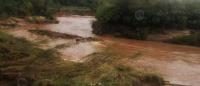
<point>178,64</point>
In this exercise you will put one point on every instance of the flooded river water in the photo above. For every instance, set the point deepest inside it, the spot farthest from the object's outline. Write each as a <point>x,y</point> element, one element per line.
<point>75,25</point>
<point>176,63</point>
<point>79,26</point>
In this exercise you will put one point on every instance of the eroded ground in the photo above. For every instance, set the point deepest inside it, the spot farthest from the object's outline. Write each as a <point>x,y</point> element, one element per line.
<point>176,63</point>
<point>72,36</point>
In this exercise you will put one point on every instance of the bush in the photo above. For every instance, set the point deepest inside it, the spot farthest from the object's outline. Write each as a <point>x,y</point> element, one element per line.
<point>120,30</point>
<point>47,8</point>
<point>149,16</point>
<point>37,19</point>
<point>26,7</point>
<point>11,48</point>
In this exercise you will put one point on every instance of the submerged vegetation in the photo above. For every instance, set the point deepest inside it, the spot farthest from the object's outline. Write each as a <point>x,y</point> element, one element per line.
<point>22,63</point>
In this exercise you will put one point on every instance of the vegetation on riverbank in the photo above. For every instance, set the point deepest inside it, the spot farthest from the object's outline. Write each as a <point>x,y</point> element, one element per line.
<point>192,39</point>
<point>74,10</point>
<point>53,34</point>
<point>138,18</point>
<point>46,8</point>
<point>23,8</point>
<point>41,20</point>
<point>22,63</point>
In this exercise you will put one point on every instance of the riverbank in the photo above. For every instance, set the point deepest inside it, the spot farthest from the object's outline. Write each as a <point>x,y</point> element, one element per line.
<point>23,63</point>
<point>83,55</point>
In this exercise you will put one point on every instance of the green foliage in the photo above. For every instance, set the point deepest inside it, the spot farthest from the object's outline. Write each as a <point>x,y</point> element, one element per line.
<point>37,19</point>
<point>141,17</point>
<point>11,48</point>
<point>76,10</point>
<point>80,3</point>
<point>26,7</point>
<point>17,48</point>
<point>40,7</point>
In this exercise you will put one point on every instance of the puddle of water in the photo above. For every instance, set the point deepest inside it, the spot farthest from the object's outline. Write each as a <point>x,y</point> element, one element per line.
<point>75,25</point>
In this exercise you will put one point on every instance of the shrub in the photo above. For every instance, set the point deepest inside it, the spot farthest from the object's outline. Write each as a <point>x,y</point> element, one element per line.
<point>26,7</point>
<point>142,17</point>
<point>11,48</point>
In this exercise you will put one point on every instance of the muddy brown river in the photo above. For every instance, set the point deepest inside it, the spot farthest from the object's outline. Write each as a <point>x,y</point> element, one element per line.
<point>75,25</point>
<point>176,63</point>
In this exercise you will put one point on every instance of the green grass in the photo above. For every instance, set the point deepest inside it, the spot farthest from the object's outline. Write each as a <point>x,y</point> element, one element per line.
<point>21,60</point>
<point>41,20</point>
<point>11,48</point>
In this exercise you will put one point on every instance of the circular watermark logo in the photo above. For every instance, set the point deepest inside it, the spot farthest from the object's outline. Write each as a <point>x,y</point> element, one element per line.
<point>139,15</point>
<point>22,82</point>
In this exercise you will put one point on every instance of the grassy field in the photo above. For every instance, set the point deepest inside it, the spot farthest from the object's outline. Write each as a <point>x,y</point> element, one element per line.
<point>23,63</point>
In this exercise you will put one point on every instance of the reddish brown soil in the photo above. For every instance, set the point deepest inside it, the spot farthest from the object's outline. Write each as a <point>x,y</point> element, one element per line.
<point>176,63</point>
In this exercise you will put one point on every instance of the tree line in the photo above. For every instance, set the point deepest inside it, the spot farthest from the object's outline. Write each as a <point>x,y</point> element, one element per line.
<point>143,16</point>
<point>38,7</point>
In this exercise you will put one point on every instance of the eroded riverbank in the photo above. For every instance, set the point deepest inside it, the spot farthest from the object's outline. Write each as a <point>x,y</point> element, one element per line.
<point>178,64</point>
<point>72,35</point>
